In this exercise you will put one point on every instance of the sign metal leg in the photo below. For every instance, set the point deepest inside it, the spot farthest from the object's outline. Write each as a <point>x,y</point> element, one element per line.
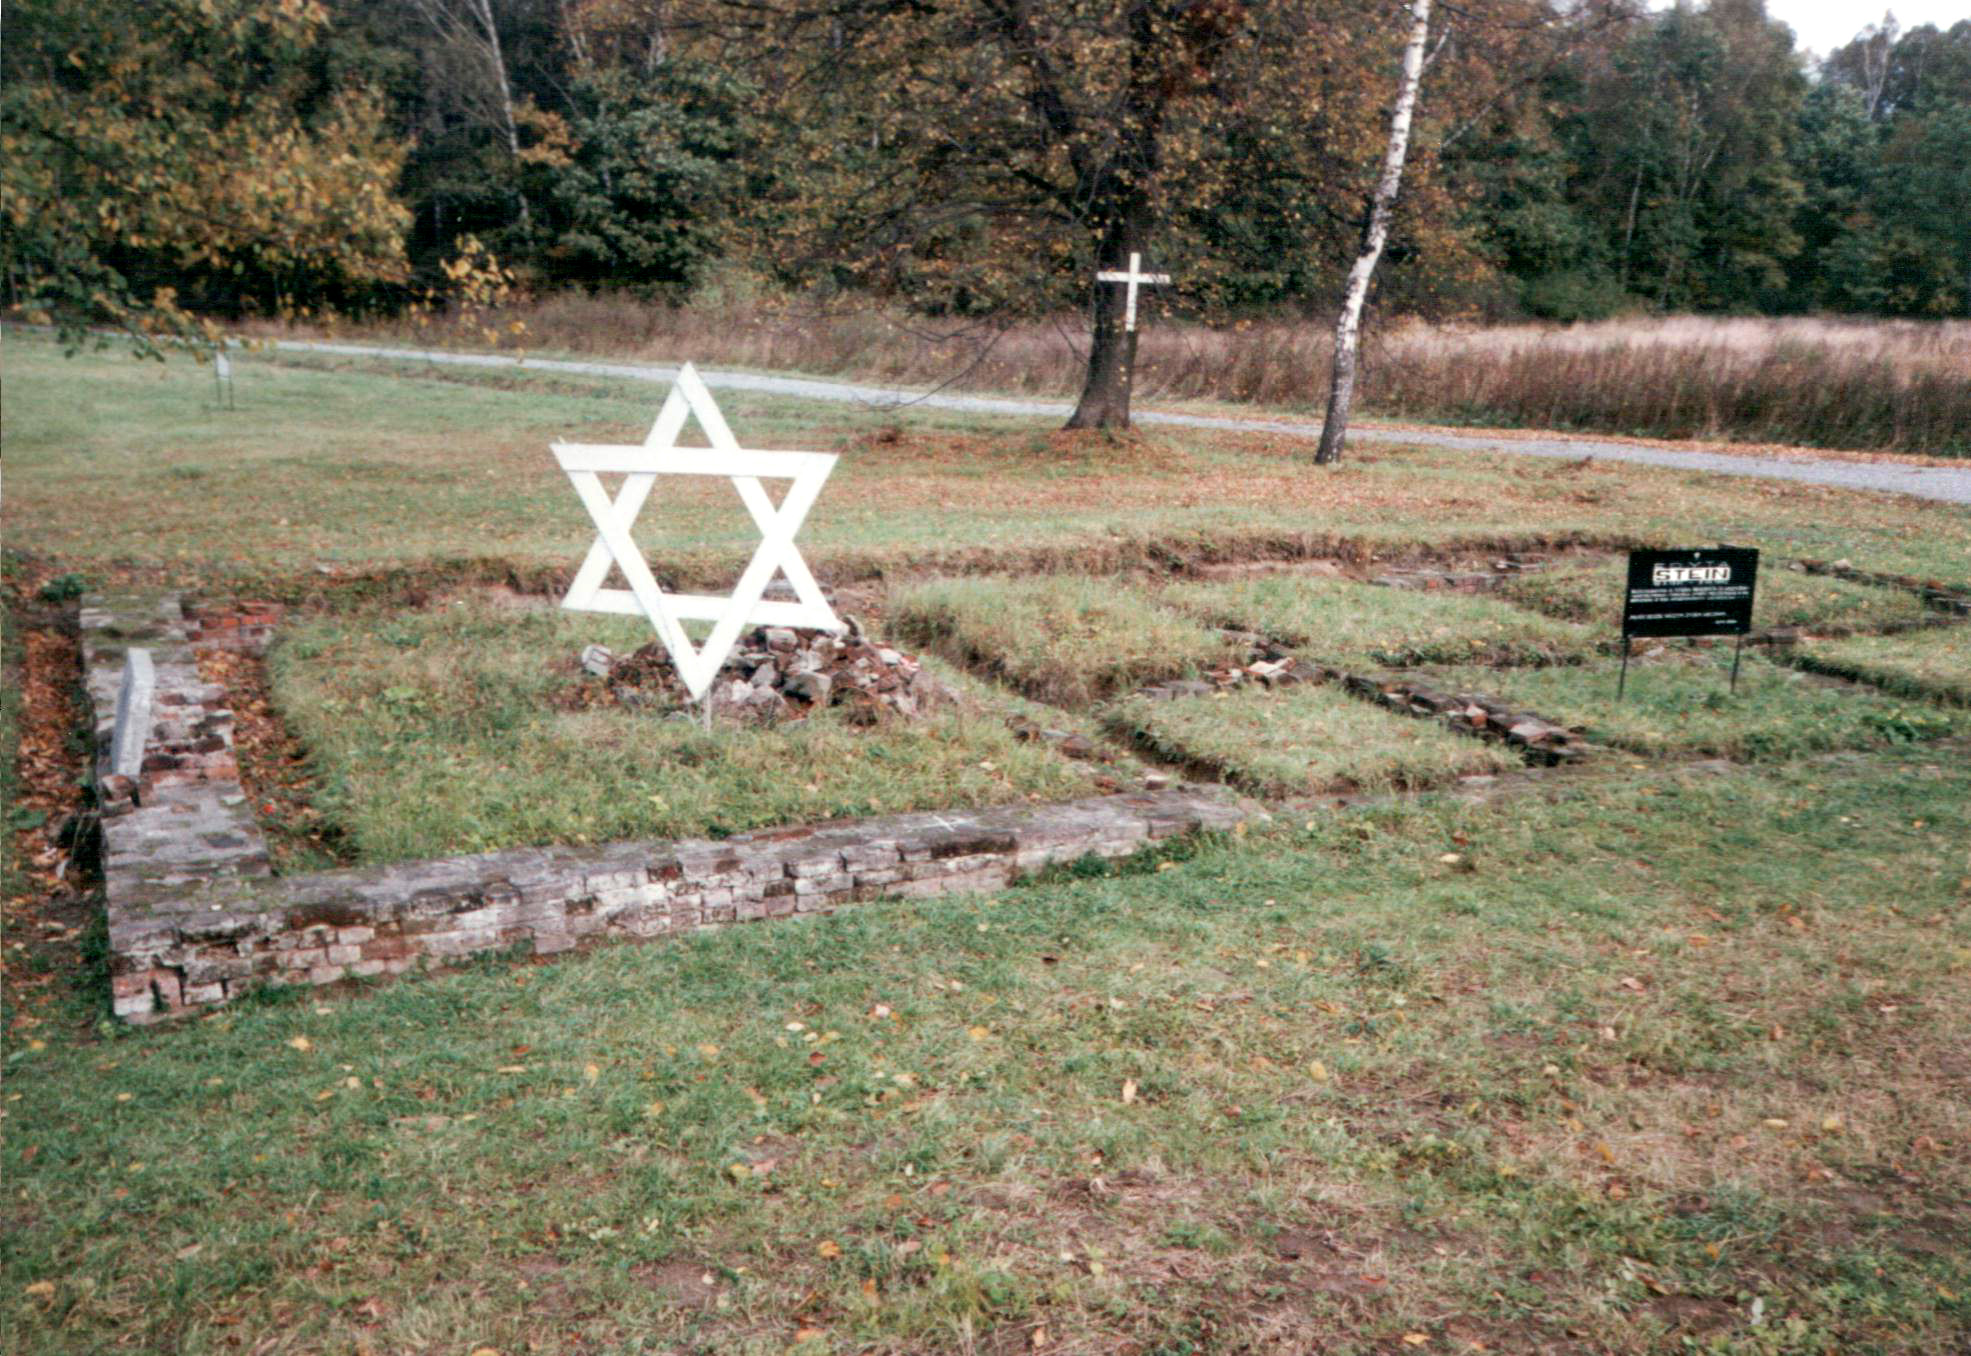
<point>1623,681</point>
<point>1737,650</point>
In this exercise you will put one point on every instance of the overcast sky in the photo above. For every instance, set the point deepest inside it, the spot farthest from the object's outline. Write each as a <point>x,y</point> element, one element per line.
<point>1823,25</point>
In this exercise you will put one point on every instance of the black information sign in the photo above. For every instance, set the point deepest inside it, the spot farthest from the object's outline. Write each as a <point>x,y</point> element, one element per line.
<point>1689,593</point>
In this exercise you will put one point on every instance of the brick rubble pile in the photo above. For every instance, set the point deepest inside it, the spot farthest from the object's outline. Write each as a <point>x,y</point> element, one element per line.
<point>777,672</point>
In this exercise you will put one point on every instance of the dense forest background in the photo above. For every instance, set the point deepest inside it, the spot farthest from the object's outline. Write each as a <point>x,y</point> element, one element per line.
<point>965,157</point>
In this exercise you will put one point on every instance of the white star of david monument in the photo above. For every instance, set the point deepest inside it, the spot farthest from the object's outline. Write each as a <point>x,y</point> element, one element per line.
<point>659,455</point>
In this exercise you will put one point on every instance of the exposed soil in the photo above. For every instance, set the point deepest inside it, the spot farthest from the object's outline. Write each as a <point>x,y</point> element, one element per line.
<point>274,770</point>
<point>49,927</point>
<point>681,1281</point>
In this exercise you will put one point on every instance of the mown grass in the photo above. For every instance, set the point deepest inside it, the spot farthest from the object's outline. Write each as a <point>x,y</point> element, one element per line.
<point>1934,663</point>
<point>356,469</point>
<point>1592,594</point>
<point>1676,1060</point>
<point>1066,639</point>
<point>439,732</point>
<point>1303,740</point>
<point>1679,704</point>
<point>1339,622</point>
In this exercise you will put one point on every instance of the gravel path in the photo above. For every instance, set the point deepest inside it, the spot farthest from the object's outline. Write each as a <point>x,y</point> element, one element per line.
<point>1951,485</point>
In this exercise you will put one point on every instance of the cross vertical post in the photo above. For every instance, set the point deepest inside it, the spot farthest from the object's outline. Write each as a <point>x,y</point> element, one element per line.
<point>1132,278</point>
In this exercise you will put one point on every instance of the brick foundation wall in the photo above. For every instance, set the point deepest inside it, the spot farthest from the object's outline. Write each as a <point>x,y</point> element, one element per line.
<point>195,919</point>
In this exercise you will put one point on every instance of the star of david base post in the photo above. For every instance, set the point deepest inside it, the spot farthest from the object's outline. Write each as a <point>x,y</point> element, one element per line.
<point>640,465</point>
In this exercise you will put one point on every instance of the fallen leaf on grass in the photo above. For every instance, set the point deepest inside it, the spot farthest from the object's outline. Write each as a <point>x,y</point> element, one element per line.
<point>828,1248</point>
<point>1128,1091</point>
<point>301,1043</point>
<point>1318,1071</point>
<point>40,1290</point>
<point>1415,1339</point>
<point>591,1072</point>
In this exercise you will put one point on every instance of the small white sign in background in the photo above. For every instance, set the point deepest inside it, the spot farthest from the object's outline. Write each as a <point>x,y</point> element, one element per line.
<point>659,455</point>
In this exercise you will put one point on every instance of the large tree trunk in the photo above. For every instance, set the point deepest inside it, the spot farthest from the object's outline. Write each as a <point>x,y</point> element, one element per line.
<point>1111,352</point>
<point>1348,325</point>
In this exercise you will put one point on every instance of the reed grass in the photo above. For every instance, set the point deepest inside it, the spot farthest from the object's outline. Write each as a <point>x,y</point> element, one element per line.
<point>1902,386</point>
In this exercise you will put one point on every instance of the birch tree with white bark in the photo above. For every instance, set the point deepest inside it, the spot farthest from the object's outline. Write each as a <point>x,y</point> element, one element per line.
<point>1375,234</point>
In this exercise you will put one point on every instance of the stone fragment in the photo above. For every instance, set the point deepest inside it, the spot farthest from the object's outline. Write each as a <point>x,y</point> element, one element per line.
<point>133,714</point>
<point>599,660</point>
<point>810,685</point>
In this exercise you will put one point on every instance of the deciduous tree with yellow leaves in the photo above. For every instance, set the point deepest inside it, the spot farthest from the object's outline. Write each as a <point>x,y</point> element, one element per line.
<point>167,162</point>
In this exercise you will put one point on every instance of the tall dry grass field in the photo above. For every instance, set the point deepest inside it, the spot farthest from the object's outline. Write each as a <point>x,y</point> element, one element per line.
<point>1875,385</point>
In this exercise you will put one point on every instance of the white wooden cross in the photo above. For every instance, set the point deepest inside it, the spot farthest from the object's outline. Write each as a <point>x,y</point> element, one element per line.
<point>659,454</point>
<point>1133,277</point>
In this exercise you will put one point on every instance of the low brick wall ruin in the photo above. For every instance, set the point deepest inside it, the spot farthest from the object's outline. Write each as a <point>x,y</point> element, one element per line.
<point>195,918</point>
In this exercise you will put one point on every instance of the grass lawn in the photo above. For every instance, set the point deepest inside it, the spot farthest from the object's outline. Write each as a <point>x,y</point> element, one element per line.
<point>1643,1058</point>
<point>1593,594</point>
<point>1933,663</point>
<point>1680,704</point>
<point>1364,625</point>
<point>360,467</point>
<point>1670,1057</point>
<point>436,732</point>
<point>1065,639</point>
<point>1304,740</point>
